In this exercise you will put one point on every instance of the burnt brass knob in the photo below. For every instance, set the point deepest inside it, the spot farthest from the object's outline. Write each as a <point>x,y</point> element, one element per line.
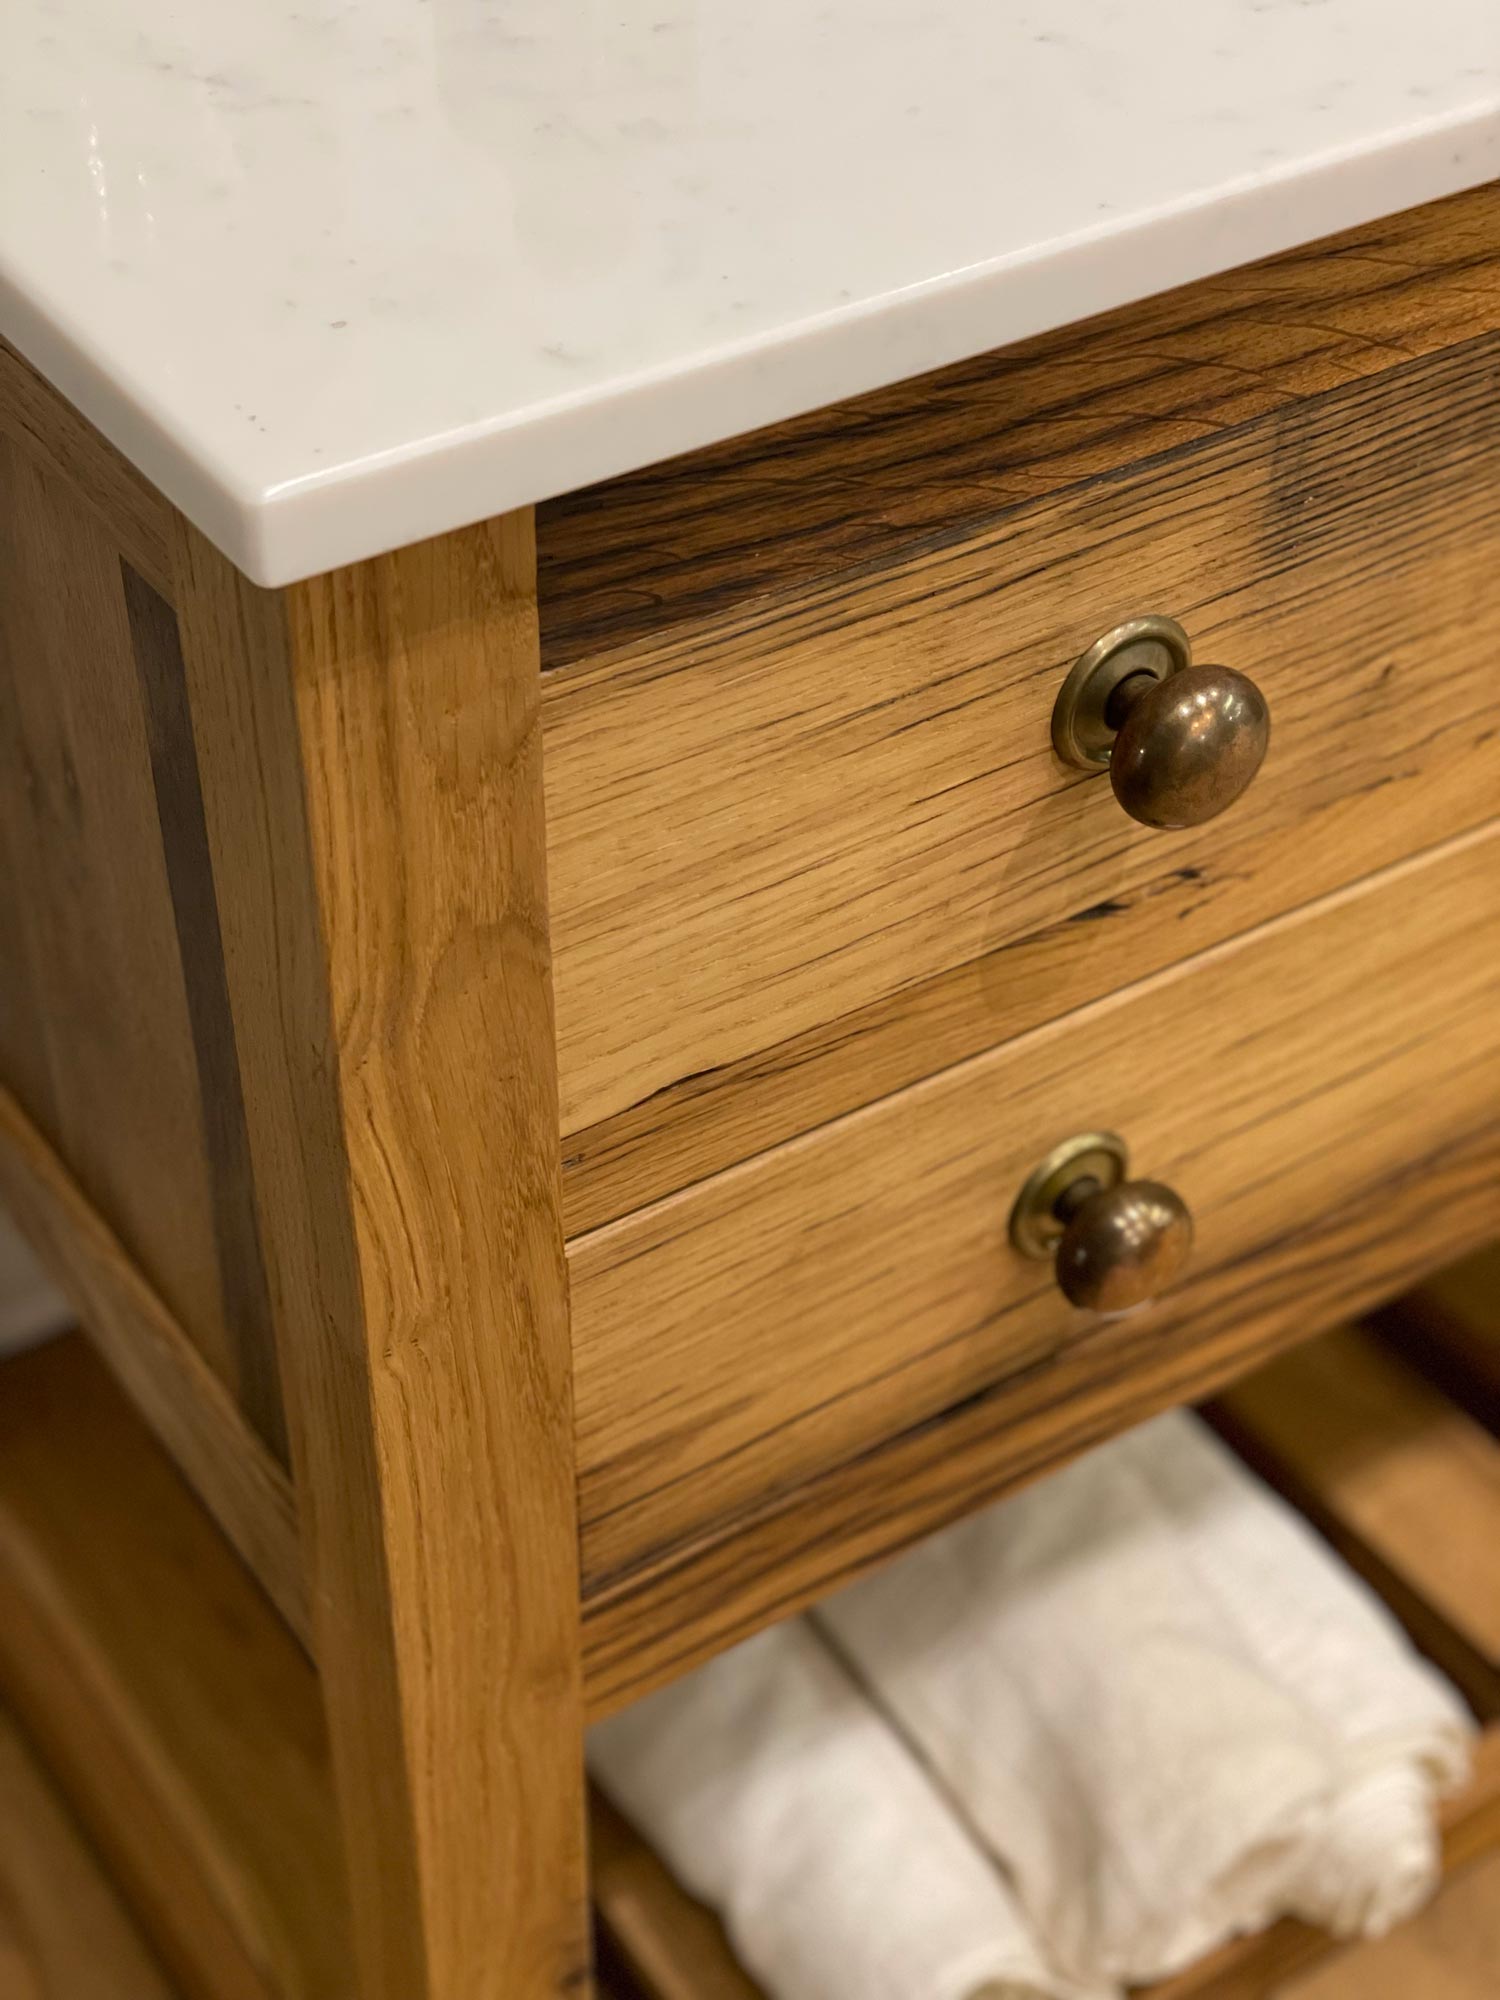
<point>1180,742</point>
<point>1122,1246</point>
<point>1117,1243</point>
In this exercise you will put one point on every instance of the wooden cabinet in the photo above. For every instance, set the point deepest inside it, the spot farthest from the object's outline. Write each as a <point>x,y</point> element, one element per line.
<point>522,1050</point>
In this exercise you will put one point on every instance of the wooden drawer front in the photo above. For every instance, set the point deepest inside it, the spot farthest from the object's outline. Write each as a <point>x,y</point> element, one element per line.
<point>820,847</point>
<point>856,1283</point>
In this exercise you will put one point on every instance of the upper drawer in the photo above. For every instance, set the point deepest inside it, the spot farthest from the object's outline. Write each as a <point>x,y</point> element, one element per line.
<point>819,845</point>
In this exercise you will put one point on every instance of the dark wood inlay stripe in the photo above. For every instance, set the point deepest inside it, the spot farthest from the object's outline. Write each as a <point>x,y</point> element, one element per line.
<point>25,1064</point>
<point>174,768</point>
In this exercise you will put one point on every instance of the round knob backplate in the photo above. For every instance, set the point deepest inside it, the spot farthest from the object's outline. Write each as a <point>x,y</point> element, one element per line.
<point>1180,742</point>
<point>1036,1227</point>
<point>1082,733</point>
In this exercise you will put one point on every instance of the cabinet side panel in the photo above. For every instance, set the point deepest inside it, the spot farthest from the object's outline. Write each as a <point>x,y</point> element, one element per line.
<point>114,1030</point>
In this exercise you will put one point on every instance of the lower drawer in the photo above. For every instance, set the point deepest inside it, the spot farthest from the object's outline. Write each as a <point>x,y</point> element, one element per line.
<point>791,1314</point>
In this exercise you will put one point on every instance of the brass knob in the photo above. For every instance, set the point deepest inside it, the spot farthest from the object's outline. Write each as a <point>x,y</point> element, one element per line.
<point>1180,742</point>
<point>1118,1243</point>
<point>1122,1245</point>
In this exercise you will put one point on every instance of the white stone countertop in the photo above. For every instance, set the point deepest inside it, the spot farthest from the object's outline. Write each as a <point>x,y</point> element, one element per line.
<point>341,274</point>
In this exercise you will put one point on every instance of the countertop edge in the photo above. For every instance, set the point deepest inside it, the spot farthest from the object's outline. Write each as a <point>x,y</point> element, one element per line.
<point>300,529</point>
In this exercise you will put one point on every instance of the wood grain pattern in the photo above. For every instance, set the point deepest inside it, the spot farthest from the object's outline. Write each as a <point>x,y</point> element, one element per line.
<point>821,848</point>
<point>1404,1483</point>
<point>863,481</point>
<point>855,1283</point>
<point>244,1486</point>
<point>99,1040</point>
<point>64,444</point>
<point>371,763</point>
<point>177,1710</point>
<point>64,1933</point>
<point>632,1632</point>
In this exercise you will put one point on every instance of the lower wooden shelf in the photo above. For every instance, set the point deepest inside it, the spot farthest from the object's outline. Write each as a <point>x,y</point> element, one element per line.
<point>64,1932</point>
<point>661,1945</point>
<point>185,1722</point>
<point>1404,1482</point>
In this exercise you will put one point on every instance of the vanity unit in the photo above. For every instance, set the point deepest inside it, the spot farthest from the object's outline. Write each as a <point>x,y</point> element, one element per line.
<point>679,793</point>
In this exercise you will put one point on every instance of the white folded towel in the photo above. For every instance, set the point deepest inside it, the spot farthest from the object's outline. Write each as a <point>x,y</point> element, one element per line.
<point>1167,1710</point>
<point>777,1795</point>
<point>1400,1732</point>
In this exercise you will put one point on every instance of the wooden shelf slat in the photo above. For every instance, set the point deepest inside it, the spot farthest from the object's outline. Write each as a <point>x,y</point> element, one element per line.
<point>1404,1483</point>
<point>668,1946</point>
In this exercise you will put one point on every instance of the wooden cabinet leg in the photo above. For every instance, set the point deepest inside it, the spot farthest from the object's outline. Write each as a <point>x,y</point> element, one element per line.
<point>369,751</point>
